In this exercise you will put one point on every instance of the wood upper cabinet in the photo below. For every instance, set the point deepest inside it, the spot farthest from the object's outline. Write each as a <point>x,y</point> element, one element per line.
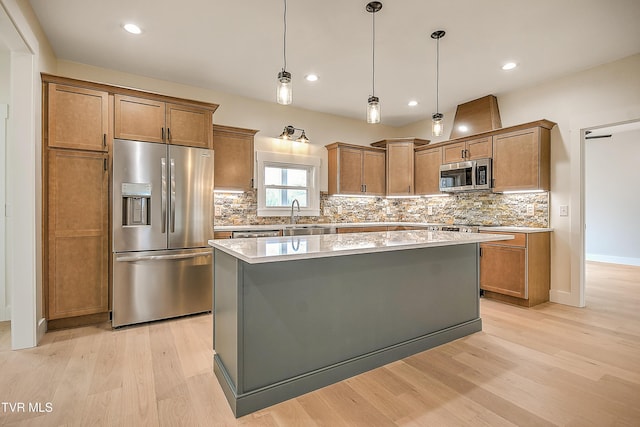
<point>77,118</point>
<point>355,169</point>
<point>427,170</point>
<point>152,120</point>
<point>233,157</point>
<point>399,164</point>
<point>78,233</point>
<point>478,148</point>
<point>521,160</point>
<point>517,271</point>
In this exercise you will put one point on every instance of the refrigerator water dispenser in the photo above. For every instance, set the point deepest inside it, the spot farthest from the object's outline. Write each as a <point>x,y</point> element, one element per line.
<point>136,202</point>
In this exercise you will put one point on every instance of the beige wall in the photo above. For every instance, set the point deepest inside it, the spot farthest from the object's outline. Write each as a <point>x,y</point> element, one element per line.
<point>609,86</point>
<point>613,87</point>
<point>267,117</point>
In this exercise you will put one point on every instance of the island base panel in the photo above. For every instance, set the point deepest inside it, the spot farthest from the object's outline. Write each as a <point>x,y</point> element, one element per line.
<point>285,328</point>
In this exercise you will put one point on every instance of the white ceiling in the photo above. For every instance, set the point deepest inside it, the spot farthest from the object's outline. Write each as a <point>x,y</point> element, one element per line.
<point>236,46</point>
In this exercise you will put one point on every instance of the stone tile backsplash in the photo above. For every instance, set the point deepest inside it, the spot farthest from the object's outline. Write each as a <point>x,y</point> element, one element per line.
<point>483,208</point>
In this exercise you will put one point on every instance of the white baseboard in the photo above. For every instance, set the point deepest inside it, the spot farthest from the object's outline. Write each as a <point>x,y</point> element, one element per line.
<point>42,329</point>
<point>613,259</point>
<point>563,297</point>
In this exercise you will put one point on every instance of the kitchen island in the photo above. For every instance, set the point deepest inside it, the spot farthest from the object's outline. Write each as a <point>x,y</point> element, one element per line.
<point>293,314</point>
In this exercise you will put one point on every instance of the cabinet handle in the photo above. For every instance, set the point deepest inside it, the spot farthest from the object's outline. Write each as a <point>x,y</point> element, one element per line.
<point>104,164</point>
<point>409,190</point>
<point>365,188</point>
<point>163,134</point>
<point>168,135</point>
<point>481,251</point>
<point>462,153</point>
<point>104,139</point>
<point>251,183</point>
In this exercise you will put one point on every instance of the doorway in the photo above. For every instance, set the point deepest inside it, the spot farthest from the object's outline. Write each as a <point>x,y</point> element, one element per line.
<point>610,203</point>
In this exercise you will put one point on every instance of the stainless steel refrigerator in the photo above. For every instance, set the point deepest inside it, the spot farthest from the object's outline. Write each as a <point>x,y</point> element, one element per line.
<point>162,218</point>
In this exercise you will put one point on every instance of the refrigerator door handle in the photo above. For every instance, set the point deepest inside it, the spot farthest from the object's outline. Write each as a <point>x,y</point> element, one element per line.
<point>162,257</point>
<point>172,172</point>
<point>163,201</point>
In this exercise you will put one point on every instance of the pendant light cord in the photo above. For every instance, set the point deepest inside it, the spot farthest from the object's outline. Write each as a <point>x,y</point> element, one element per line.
<point>373,62</point>
<point>284,42</point>
<point>437,74</point>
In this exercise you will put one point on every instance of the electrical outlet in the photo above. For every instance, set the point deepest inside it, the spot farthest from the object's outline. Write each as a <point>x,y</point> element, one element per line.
<point>326,212</point>
<point>531,209</point>
<point>218,211</point>
<point>388,210</point>
<point>429,210</point>
<point>339,210</point>
<point>564,210</point>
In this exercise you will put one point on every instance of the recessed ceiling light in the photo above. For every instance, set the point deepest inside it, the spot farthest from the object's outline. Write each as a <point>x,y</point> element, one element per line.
<point>311,77</point>
<point>463,128</point>
<point>413,103</point>
<point>132,28</point>
<point>509,66</point>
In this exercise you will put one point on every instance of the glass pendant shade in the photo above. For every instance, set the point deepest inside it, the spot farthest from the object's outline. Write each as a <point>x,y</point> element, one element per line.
<point>437,125</point>
<point>284,94</point>
<point>373,110</point>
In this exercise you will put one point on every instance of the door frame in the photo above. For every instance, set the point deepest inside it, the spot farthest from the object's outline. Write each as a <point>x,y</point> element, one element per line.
<point>578,126</point>
<point>23,209</point>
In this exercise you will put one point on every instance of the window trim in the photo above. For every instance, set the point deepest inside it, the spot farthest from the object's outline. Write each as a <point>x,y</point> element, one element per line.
<point>266,158</point>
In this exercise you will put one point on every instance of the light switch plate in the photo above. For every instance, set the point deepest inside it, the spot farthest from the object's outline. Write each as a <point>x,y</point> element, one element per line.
<point>564,210</point>
<point>218,211</point>
<point>339,209</point>
<point>531,209</point>
<point>326,212</point>
<point>429,210</point>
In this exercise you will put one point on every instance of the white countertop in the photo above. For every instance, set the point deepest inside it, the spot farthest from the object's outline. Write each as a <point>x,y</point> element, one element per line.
<point>512,229</point>
<point>274,249</point>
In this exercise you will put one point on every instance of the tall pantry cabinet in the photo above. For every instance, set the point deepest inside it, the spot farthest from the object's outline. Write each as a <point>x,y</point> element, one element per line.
<point>80,121</point>
<point>76,144</point>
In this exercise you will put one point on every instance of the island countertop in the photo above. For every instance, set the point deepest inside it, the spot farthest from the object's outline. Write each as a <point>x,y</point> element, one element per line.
<point>275,249</point>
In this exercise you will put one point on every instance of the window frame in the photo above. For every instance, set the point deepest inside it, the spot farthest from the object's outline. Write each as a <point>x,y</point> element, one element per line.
<point>310,163</point>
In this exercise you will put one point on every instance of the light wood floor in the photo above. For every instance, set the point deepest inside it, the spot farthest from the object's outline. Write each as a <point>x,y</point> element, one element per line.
<point>548,365</point>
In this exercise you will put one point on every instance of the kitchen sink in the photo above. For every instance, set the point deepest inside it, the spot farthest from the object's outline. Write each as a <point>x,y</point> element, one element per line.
<point>307,230</point>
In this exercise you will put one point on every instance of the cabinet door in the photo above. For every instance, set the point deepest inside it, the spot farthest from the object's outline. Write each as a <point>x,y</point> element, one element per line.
<point>481,148</point>
<point>400,169</point>
<point>190,126</point>
<point>453,153</point>
<point>516,161</point>
<point>427,171</point>
<point>503,270</point>
<point>139,119</point>
<point>77,118</point>
<point>233,159</point>
<point>78,233</point>
<point>373,172</point>
<point>350,171</point>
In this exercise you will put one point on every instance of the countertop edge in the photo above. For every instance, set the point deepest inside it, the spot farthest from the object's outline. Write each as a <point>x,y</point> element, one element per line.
<point>373,224</point>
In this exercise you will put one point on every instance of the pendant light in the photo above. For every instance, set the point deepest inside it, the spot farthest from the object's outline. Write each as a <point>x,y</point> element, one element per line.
<point>284,90</point>
<point>373,104</point>
<point>437,126</point>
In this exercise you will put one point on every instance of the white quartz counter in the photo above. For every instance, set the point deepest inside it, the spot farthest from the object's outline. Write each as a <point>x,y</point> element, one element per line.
<point>511,229</point>
<point>274,249</point>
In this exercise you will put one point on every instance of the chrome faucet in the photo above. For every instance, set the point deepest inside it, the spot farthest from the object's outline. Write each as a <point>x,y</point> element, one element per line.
<point>293,218</point>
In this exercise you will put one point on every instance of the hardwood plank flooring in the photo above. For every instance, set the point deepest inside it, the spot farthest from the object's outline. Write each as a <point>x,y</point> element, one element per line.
<point>550,365</point>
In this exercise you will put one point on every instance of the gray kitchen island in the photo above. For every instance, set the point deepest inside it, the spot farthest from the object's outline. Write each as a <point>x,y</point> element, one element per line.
<point>293,314</point>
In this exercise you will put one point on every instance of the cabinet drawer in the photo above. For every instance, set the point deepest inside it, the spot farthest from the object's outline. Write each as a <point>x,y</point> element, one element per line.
<point>519,239</point>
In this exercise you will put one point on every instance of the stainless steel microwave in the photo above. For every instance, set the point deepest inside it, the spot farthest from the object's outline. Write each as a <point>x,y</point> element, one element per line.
<point>465,176</point>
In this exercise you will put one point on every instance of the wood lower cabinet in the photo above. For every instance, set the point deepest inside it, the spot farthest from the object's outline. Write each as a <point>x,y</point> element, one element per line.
<point>356,170</point>
<point>517,271</point>
<point>477,148</point>
<point>77,118</point>
<point>223,234</point>
<point>427,170</point>
<point>233,158</point>
<point>521,160</point>
<point>78,233</point>
<point>151,120</point>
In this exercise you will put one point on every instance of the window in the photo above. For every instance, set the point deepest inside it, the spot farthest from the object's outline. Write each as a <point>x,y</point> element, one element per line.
<point>283,178</point>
